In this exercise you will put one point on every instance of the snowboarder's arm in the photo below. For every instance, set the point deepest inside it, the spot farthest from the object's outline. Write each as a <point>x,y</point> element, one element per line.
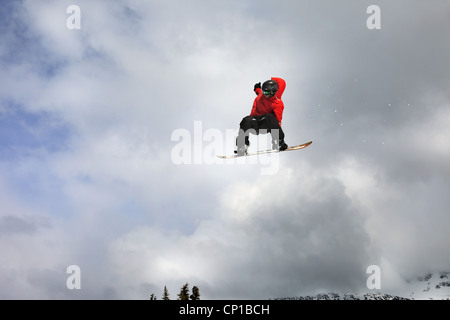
<point>278,111</point>
<point>257,88</point>
<point>253,112</point>
<point>281,86</point>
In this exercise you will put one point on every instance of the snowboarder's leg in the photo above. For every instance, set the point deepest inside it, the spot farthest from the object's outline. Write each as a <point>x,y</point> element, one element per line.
<point>242,143</point>
<point>248,125</point>
<point>269,122</point>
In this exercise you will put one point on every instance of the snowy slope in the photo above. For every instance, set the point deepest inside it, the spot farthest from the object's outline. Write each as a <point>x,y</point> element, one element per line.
<point>433,286</point>
<point>348,296</point>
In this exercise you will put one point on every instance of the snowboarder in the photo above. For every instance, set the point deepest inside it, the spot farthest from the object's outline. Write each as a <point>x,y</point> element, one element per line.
<point>266,114</point>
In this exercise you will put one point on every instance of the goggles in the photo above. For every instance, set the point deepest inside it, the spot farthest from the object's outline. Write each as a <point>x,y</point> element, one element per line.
<point>268,93</point>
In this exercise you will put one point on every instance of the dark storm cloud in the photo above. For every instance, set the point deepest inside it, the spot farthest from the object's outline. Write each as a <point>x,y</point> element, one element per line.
<point>12,224</point>
<point>311,238</point>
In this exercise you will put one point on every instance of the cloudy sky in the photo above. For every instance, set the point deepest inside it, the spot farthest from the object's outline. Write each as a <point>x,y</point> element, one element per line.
<point>94,122</point>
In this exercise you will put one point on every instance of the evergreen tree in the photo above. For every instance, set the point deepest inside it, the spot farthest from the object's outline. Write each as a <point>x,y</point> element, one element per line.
<point>184,292</point>
<point>165,294</point>
<point>152,296</point>
<point>195,293</point>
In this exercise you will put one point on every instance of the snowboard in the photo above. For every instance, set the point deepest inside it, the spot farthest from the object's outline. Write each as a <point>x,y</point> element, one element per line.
<point>301,146</point>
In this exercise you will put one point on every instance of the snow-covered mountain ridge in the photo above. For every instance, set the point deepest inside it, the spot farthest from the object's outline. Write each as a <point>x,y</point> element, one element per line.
<point>432,286</point>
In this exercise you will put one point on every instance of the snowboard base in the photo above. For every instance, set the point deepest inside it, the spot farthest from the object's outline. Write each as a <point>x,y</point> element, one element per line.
<point>300,146</point>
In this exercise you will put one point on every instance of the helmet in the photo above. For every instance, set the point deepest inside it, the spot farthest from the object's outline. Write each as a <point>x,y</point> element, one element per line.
<point>270,87</point>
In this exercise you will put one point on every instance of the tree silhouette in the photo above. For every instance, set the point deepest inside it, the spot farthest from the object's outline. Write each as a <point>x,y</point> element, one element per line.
<point>195,293</point>
<point>165,294</point>
<point>184,292</point>
<point>183,295</point>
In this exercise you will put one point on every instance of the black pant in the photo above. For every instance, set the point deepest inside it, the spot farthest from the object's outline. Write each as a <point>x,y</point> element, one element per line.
<point>254,124</point>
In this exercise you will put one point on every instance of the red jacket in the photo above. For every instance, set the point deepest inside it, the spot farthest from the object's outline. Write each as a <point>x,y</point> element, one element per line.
<point>274,104</point>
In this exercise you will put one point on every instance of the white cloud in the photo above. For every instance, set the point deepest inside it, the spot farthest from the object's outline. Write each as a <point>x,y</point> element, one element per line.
<point>111,200</point>
<point>260,227</point>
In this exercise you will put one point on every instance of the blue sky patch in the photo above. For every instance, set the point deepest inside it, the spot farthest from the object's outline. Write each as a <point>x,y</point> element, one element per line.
<point>24,131</point>
<point>23,46</point>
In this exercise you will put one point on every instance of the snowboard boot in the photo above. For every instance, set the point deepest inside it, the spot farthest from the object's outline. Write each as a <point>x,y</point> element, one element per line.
<point>241,150</point>
<point>279,145</point>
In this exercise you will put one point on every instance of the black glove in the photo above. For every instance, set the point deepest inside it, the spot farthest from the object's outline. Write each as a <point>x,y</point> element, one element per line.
<point>258,85</point>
